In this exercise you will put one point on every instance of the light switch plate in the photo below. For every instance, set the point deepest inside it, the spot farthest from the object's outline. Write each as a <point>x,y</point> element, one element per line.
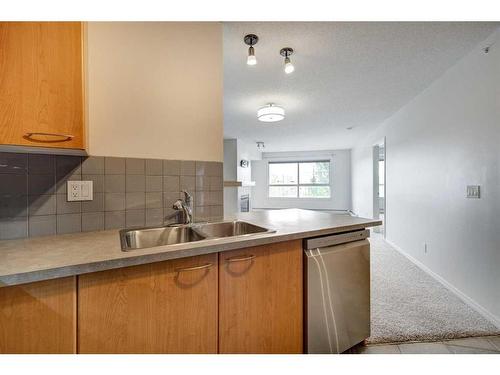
<point>80,191</point>
<point>473,191</point>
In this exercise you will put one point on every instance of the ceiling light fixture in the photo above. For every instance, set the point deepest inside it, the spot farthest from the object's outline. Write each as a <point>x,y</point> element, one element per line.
<point>251,40</point>
<point>271,113</point>
<point>286,53</point>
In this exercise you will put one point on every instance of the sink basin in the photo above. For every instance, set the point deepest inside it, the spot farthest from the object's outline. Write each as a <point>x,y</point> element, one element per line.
<point>229,229</point>
<point>149,237</point>
<point>132,239</point>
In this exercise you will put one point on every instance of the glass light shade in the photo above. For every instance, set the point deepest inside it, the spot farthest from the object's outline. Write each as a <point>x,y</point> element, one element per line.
<point>271,113</point>
<point>289,68</point>
<point>251,59</point>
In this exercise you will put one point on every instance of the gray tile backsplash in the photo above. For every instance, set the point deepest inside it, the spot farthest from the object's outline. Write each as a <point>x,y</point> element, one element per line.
<point>171,183</point>
<point>128,192</point>
<point>171,167</point>
<point>13,163</point>
<point>14,184</point>
<point>114,220</point>
<point>135,201</point>
<point>114,183</point>
<point>154,183</point>
<point>42,225</point>
<point>95,205</point>
<point>93,165</point>
<point>135,218</point>
<point>154,167</point>
<point>114,166</point>
<point>135,166</point>
<point>41,164</point>
<point>69,223</point>
<point>16,227</point>
<point>154,199</point>
<point>154,216</point>
<point>39,205</point>
<point>92,221</point>
<point>135,183</point>
<point>114,202</point>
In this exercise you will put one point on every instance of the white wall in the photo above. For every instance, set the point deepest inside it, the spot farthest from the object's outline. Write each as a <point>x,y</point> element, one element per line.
<point>446,138</point>
<point>230,159</point>
<point>155,89</point>
<point>362,180</point>
<point>247,151</point>
<point>234,151</point>
<point>340,169</point>
<point>230,174</point>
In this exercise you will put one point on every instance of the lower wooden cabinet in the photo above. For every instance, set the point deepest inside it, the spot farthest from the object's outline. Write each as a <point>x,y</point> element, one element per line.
<point>241,301</point>
<point>39,317</point>
<point>165,307</point>
<point>260,299</point>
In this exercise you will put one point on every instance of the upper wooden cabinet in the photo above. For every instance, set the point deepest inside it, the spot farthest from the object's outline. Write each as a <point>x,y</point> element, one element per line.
<point>165,307</point>
<point>41,84</point>
<point>260,299</point>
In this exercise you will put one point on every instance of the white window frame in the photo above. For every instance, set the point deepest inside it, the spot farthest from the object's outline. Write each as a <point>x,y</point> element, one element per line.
<point>298,184</point>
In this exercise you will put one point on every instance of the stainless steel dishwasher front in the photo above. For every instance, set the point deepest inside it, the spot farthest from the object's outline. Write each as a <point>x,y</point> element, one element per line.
<point>337,291</point>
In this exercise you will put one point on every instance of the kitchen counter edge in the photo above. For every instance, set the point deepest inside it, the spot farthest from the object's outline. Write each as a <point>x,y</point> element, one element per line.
<point>136,257</point>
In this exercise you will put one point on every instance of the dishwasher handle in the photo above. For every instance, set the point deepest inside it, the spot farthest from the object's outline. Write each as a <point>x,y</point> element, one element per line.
<point>335,239</point>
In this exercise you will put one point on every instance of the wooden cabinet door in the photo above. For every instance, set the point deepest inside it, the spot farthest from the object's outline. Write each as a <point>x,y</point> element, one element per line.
<point>260,299</point>
<point>154,308</point>
<point>39,317</point>
<point>41,84</point>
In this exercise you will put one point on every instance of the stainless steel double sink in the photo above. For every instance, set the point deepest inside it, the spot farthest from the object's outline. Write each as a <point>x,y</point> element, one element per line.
<point>132,239</point>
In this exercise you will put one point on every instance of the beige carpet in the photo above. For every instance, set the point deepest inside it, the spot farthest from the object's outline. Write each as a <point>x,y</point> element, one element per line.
<point>409,305</point>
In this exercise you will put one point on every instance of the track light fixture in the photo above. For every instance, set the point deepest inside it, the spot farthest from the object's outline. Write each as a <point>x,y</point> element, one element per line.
<point>286,53</point>
<point>251,40</point>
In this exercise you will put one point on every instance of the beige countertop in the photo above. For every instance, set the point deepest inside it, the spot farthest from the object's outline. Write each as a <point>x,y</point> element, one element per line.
<point>43,258</point>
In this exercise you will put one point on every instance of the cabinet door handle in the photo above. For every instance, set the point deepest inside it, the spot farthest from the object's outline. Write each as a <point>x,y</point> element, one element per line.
<point>64,137</point>
<point>195,268</point>
<point>240,259</point>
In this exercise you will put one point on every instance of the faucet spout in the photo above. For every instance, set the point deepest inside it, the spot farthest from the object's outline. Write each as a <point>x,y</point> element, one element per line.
<point>185,206</point>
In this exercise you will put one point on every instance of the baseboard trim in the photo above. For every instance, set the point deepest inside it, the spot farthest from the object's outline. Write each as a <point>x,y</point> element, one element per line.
<point>465,298</point>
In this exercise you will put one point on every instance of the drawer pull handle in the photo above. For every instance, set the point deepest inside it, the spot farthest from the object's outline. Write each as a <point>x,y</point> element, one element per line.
<point>64,137</point>
<point>195,268</point>
<point>240,259</point>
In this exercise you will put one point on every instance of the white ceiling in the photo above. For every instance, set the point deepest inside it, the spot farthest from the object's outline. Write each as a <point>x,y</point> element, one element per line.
<point>346,75</point>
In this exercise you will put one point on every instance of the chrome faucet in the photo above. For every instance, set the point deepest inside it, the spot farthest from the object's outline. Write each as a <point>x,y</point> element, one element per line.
<point>185,206</point>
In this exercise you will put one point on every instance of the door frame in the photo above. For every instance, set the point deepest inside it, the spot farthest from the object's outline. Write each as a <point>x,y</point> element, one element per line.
<point>375,190</point>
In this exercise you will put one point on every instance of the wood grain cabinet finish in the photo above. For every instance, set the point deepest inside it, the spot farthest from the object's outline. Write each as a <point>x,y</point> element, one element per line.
<point>41,84</point>
<point>260,299</point>
<point>39,317</point>
<point>152,308</point>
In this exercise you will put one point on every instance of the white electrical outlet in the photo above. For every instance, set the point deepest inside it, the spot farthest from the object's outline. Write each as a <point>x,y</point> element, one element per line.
<point>80,191</point>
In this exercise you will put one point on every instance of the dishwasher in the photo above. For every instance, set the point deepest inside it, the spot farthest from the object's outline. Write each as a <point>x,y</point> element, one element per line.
<point>337,291</point>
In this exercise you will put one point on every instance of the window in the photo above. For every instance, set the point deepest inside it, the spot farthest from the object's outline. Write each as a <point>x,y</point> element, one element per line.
<point>307,179</point>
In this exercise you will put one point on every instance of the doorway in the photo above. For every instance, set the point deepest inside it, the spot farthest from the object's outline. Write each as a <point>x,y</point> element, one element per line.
<point>379,188</point>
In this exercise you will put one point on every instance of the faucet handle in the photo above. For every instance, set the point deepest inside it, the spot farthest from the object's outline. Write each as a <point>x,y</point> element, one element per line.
<point>177,205</point>
<point>187,197</point>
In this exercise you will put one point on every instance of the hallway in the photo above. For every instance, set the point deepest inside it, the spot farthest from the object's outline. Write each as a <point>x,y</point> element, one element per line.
<point>409,305</point>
